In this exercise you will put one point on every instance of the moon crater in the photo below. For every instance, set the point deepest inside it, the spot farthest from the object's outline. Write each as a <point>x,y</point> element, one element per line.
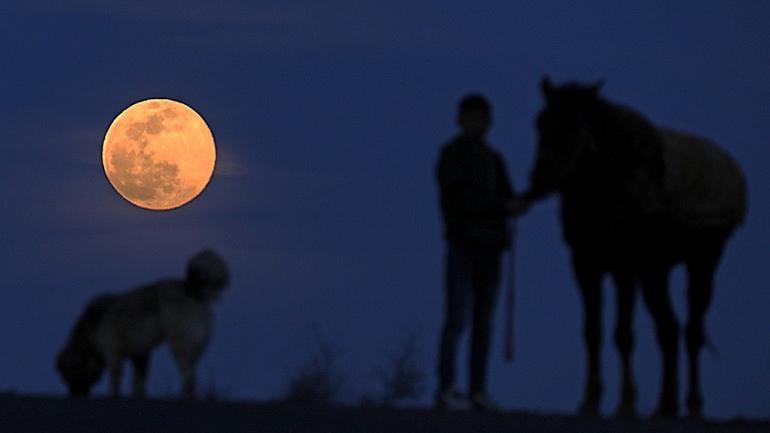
<point>159,154</point>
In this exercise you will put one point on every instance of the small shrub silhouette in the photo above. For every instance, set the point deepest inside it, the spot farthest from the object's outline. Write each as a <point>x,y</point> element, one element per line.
<point>317,381</point>
<point>401,379</point>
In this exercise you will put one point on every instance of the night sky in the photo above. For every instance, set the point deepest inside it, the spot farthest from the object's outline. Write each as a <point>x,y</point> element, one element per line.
<point>328,117</point>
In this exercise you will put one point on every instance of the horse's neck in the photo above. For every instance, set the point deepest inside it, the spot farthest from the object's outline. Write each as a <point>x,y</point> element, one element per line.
<point>625,140</point>
<point>590,208</point>
<point>620,134</point>
<point>588,196</point>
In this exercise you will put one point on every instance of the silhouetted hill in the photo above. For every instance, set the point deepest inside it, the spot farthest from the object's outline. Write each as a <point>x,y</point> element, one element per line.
<point>50,414</point>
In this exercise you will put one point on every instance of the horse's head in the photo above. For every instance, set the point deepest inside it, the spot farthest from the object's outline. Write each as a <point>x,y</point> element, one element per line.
<point>566,141</point>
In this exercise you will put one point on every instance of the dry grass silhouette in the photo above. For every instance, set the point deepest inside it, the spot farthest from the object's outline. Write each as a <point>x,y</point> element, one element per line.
<point>318,380</point>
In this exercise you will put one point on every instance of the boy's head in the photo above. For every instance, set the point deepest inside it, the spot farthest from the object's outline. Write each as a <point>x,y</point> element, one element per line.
<point>474,115</point>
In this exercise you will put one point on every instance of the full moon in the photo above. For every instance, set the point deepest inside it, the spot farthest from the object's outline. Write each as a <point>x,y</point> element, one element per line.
<point>159,154</point>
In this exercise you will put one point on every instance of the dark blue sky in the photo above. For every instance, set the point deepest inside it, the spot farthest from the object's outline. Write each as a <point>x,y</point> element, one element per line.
<point>328,118</point>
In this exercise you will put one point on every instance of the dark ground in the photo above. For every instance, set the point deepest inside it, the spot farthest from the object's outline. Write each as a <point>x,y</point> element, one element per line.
<point>51,414</point>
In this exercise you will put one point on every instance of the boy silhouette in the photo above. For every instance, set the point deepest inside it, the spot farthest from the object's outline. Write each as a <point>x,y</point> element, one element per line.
<point>476,199</point>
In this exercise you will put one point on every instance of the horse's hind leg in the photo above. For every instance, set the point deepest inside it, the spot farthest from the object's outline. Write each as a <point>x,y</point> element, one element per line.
<point>624,340</point>
<point>701,267</point>
<point>589,277</point>
<point>141,364</point>
<point>655,291</point>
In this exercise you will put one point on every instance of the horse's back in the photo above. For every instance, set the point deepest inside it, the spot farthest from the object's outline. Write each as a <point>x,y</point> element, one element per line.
<point>703,185</point>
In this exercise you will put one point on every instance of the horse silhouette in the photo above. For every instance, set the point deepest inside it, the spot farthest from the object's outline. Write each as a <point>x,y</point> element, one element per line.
<point>636,200</point>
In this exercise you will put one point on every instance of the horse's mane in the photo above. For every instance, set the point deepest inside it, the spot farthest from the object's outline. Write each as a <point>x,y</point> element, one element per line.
<point>627,143</point>
<point>627,159</point>
<point>628,136</point>
<point>612,123</point>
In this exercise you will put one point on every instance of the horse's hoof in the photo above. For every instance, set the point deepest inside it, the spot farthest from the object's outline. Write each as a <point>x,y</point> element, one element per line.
<point>666,412</point>
<point>589,409</point>
<point>626,411</point>
<point>695,413</point>
<point>694,417</point>
<point>694,408</point>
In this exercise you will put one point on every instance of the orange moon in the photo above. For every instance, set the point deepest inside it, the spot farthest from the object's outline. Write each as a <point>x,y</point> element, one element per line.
<point>159,154</point>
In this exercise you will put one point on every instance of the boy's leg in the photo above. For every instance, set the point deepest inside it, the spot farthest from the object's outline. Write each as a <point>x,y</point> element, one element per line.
<point>458,285</point>
<point>486,284</point>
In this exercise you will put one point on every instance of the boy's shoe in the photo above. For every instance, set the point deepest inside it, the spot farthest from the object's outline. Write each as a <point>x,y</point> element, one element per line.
<point>482,402</point>
<point>452,400</point>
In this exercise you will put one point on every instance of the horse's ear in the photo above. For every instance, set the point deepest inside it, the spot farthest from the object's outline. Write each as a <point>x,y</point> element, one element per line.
<point>596,88</point>
<point>546,86</point>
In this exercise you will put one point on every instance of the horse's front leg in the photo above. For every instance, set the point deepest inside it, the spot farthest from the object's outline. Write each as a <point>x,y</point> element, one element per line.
<point>656,296</point>
<point>625,286</point>
<point>589,277</point>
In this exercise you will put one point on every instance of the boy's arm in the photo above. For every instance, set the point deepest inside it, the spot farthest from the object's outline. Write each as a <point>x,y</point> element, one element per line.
<point>514,205</point>
<point>504,182</point>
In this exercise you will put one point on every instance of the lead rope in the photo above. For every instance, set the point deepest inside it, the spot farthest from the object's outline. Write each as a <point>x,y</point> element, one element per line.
<point>509,296</point>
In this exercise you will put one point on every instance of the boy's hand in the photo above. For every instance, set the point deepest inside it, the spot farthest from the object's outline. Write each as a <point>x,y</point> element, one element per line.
<point>517,206</point>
